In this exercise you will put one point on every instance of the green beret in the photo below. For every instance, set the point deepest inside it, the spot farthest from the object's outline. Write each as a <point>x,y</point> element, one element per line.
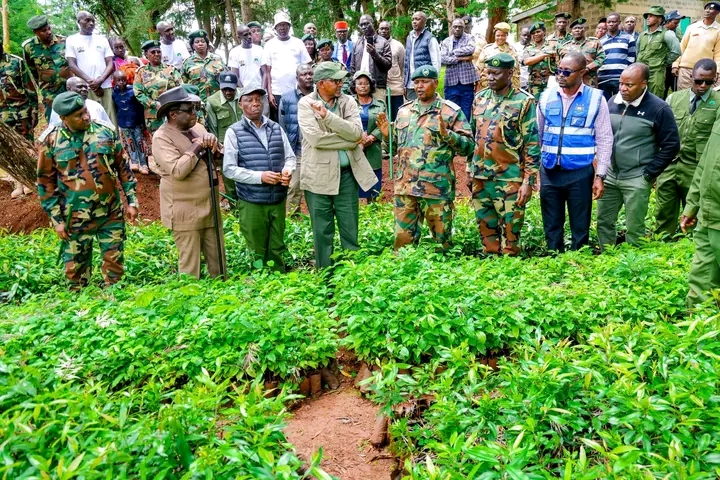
<point>254,25</point>
<point>147,44</point>
<point>37,22</point>
<point>564,15</point>
<point>307,36</point>
<point>537,26</point>
<point>198,34</point>
<point>578,21</point>
<point>426,71</point>
<point>501,60</point>
<point>191,89</point>
<point>325,41</point>
<point>329,71</point>
<point>67,103</point>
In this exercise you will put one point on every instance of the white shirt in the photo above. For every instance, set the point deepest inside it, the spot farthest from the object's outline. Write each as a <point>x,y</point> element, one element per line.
<point>284,57</point>
<point>524,71</point>
<point>248,62</point>
<point>245,175</point>
<point>96,111</point>
<point>90,52</point>
<point>619,100</point>
<point>175,53</point>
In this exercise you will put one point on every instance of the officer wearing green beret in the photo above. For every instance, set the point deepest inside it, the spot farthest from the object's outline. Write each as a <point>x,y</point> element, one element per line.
<point>79,165</point>
<point>657,48</point>
<point>18,98</point>
<point>538,60</point>
<point>152,80</point>
<point>44,55</point>
<point>591,49</point>
<point>430,132</point>
<point>256,31</point>
<point>203,67</point>
<point>504,166</point>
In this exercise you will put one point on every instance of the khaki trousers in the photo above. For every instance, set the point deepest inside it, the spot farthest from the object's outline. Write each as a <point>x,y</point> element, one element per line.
<point>685,79</point>
<point>107,102</point>
<point>193,242</point>
<point>295,194</point>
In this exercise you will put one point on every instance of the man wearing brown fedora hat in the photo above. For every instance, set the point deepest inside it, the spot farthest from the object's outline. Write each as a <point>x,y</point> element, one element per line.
<point>657,48</point>
<point>180,147</point>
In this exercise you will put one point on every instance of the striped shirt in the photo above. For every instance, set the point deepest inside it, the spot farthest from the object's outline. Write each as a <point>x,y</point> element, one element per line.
<point>619,53</point>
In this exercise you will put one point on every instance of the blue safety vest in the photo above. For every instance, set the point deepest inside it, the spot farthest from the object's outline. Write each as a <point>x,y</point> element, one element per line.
<point>569,141</point>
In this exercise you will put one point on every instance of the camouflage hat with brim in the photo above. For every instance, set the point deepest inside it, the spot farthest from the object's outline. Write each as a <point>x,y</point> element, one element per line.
<point>656,10</point>
<point>67,103</point>
<point>148,44</point>
<point>426,71</point>
<point>37,22</point>
<point>323,42</point>
<point>328,71</point>
<point>578,22</point>
<point>198,34</point>
<point>501,60</point>
<point>537,26</point>
<point>564,15</point>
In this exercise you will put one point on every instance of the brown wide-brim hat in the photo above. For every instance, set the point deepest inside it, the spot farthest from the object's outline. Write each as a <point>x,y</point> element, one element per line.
<point>173,97</point>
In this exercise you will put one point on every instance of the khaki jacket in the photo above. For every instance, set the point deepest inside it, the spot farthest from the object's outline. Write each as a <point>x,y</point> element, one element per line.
<point>184,186</point>
<point>321,140</point>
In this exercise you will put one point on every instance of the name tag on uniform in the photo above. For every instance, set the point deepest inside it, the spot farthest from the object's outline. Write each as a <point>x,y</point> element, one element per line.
<point>577,121</point>
<point>553,111</point>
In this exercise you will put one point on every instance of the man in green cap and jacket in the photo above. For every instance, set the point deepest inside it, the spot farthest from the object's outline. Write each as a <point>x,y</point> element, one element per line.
<point>334,165</point>
<point>430,132</point>
<point>703,208</point>
<point>657,48</point>
<point>45,57</point>
<point>79,167</point>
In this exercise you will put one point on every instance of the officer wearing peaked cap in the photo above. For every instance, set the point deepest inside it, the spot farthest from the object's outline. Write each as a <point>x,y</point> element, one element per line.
<point>590,48</point>
<point>504,165</point>
<point>430,132</point>
<point>657,48</point>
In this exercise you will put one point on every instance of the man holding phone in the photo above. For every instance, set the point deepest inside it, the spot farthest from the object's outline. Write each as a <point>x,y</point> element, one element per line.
<point>372,54</point>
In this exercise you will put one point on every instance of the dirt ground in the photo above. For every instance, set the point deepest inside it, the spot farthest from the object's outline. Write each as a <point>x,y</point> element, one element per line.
<point>23,215</point>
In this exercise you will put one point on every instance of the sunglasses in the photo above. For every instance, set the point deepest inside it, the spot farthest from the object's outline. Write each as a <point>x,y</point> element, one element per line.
<point>565,72</point>
<point>190,110</point>
<point>700,82</point>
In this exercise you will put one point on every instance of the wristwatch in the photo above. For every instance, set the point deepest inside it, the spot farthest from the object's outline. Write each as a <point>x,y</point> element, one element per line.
<point>602,177</point>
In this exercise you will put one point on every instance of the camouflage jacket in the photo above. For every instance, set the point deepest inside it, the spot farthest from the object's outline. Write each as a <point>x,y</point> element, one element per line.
<point>150,82</point>
<point>593,52</point>
<point>425,160</point>
<point>47,64</point>
<point>18,98</point>
<point>540,72</point>
<point>490,50</point>
<point>203,73</point>
<point>506,137</point>
<point>552,43</point>
<point>79,170</point>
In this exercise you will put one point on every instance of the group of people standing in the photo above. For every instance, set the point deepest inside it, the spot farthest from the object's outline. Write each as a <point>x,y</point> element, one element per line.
<point>281,124</point>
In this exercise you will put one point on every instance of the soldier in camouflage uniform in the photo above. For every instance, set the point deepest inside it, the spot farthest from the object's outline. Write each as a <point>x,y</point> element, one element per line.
<point>78,168</point>
<point>430,131</point>
<point>506,159</point>
<point>538,60</point>
<point>151,81</point>
<point>591,49</point>
<point>490,50</point>
<point>18,98</point>
<point>556,39</point>
<point>202,68</point>
<point>44,55</point>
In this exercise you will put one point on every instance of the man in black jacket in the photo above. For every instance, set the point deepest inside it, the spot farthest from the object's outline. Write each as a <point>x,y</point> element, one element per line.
<point>374,57</point>
<point>645,142</point>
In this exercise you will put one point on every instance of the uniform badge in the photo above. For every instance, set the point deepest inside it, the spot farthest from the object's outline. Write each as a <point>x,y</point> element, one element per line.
<point>495,62</point>
<point>426,72</point>
<point>80,102</point>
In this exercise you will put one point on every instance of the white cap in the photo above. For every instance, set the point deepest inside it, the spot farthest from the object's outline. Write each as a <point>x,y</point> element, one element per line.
<point>281,17</point>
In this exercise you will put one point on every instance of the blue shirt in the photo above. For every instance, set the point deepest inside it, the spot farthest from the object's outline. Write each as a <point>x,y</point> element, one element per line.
<point>130,112</point>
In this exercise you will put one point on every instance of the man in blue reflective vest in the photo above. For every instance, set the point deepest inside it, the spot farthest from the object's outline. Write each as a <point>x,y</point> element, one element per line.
<point>575,125</point>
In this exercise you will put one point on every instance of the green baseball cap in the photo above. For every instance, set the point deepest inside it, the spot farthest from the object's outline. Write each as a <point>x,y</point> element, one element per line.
<point>67,103</point>
<point>656,10</point>
<point>329,71</point>
<point>501,60</point>
<point>426,71</point>
<point>37,22</point>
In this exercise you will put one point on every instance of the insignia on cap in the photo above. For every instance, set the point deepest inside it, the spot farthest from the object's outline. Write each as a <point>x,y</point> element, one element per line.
<point>495,62</point>
<point>80,102</point>
<point>426,72</point>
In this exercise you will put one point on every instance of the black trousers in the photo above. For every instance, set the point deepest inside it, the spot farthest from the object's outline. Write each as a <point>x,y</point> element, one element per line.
<point>572,187</point>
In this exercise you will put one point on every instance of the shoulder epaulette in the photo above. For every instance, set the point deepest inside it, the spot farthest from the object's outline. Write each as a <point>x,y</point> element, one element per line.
<point>47,132</point>
<point>451,104</point>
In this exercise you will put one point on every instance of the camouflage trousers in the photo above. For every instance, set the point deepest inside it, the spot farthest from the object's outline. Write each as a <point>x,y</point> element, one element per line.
<point>537,90</point>
<point>22,125</point>
<point>47,100</point>
<point>499,219</point>
<point>77,252</point>
<point>409,214</point>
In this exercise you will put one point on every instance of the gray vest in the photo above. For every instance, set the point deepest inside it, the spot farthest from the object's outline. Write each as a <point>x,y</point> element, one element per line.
<point>253,155</point>
<point>420,52</point>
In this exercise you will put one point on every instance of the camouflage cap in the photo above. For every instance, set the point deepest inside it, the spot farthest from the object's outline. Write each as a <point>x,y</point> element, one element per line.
<point>37,22</point>
<point>325,41</point>
<point>537,26</point>
<point>67,103</point>
<point>656,10</point>
<point>147,44</point>
<point>501,60</point>
<point>198,34</point>
<point>578,22</point>
<point>426,71</point>
<point>329,71</point>
<point>254,24</point>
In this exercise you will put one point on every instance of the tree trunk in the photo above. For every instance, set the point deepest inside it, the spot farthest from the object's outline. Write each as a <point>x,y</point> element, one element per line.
<point>17,156</point>
<point>231,19</point>
<point>6,26</point>
<point>450,9</point>
<point>246,11</point>
<point>496,15</point>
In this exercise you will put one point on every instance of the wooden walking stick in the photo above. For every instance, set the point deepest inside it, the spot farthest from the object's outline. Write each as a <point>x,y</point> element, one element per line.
<point>216,212</point>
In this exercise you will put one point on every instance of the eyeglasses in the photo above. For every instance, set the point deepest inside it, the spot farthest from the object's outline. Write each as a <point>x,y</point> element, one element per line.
<point>566,73</point>
<point>336,81</point>
<point>191,110</point>
<point>700,82</point>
